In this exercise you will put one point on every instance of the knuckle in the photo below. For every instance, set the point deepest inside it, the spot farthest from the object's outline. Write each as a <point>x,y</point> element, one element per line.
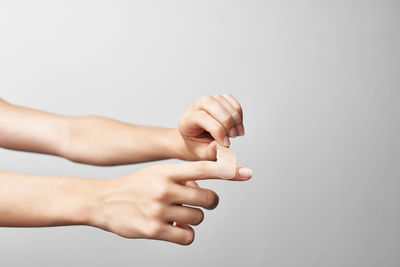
<point>218,97</point>
<point>202,101</point>
<point>153,229</point>
<point>237,117</point>
<point>235,112</point>
<point>207,98</point>
<point>227,94</point>
<point>235,102</point>
<point>156,210</point>
<point>219,130</point>
<point>212,200</point>
<point>238,107</point>
<point>231,98</point>
<point>240,111</point>
<point>161,190</point>
<point>227,120</point>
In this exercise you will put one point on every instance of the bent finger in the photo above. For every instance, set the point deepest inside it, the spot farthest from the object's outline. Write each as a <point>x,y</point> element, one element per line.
<point>218,111</point>
<point>211,125</point>
<point>182,234</point>
<point>200,197</point>
<point>184,215</point>
<point>236,105</point>
<point>233,132</point>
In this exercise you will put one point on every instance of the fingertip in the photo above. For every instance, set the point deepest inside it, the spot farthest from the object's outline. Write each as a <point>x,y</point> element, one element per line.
<point>226,141</point>
<point>223,141</point>
<point>243,173</point>
<point>233,132</point>
<point>189,235</point>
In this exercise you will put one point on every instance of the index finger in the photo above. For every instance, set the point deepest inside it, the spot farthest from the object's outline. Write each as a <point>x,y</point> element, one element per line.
<point>203,170</point>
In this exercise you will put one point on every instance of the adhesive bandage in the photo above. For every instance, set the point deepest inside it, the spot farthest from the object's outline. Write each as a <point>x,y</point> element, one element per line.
<point>226,162</point>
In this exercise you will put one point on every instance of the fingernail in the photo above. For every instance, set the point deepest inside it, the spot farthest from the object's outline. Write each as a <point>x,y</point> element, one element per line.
<point>245,172</point>
<point>226,141</point>
<point>240,129</point>
<point>233,132</point>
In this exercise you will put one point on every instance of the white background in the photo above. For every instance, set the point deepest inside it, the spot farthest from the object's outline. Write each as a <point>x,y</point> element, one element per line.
<point>319,85</point>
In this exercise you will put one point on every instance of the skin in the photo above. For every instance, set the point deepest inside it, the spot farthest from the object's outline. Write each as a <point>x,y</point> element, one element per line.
<point>157,202</point>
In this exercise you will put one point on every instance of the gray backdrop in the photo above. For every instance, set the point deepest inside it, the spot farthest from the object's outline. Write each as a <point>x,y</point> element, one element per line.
<point>319,84</point>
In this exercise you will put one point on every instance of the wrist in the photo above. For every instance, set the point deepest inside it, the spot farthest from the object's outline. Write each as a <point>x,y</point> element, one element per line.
<point>82,206</point>
<point>175,145</point>
<point>97,207</point>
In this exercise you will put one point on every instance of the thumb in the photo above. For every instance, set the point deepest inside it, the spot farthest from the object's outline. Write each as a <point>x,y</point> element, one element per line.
<point>211,152</point>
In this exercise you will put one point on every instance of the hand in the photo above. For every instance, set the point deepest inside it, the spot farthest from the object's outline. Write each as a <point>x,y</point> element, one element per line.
<point>146,203</point>
<point>209,120</point>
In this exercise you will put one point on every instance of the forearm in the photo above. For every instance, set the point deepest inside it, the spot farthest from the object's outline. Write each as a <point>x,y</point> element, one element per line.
<point>101,141</point>
<point>27,129</point>
<point>33,200</point>
<point>87,139</point>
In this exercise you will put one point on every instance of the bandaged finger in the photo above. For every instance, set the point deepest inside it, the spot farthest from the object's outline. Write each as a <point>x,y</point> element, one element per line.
<point>226,162</point>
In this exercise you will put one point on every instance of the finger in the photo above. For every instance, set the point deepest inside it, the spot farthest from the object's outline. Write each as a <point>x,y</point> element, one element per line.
<point>217,111</point>
<point>208,152</point>
<point>211,151</point>
<point>201,170</point>
<point>233,132</point>
<point>181,225</point>
<point>203,120</point>
<point>199,197</point>
<point>234,103</point>
<point>184,215</point>
<point>192,184</point>
<point>182,234</point>
<point>238,108</point>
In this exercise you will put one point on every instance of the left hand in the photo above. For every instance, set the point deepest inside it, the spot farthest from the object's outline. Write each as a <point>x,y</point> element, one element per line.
<point>210,120</point>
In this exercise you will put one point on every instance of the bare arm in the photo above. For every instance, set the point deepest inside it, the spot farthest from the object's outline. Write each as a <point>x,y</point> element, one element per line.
<point>102,141</point>
<point>87,139</point>
<point>139,205</point>
<point>32,130</point>
<point>35,200</point>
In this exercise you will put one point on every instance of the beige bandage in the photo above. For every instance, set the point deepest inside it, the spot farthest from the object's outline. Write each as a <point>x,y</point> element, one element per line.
<point>226,161</point>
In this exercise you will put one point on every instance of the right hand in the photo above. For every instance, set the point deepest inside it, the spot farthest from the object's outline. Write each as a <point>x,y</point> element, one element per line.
<point>146,203</point>
<point>208,121</point>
